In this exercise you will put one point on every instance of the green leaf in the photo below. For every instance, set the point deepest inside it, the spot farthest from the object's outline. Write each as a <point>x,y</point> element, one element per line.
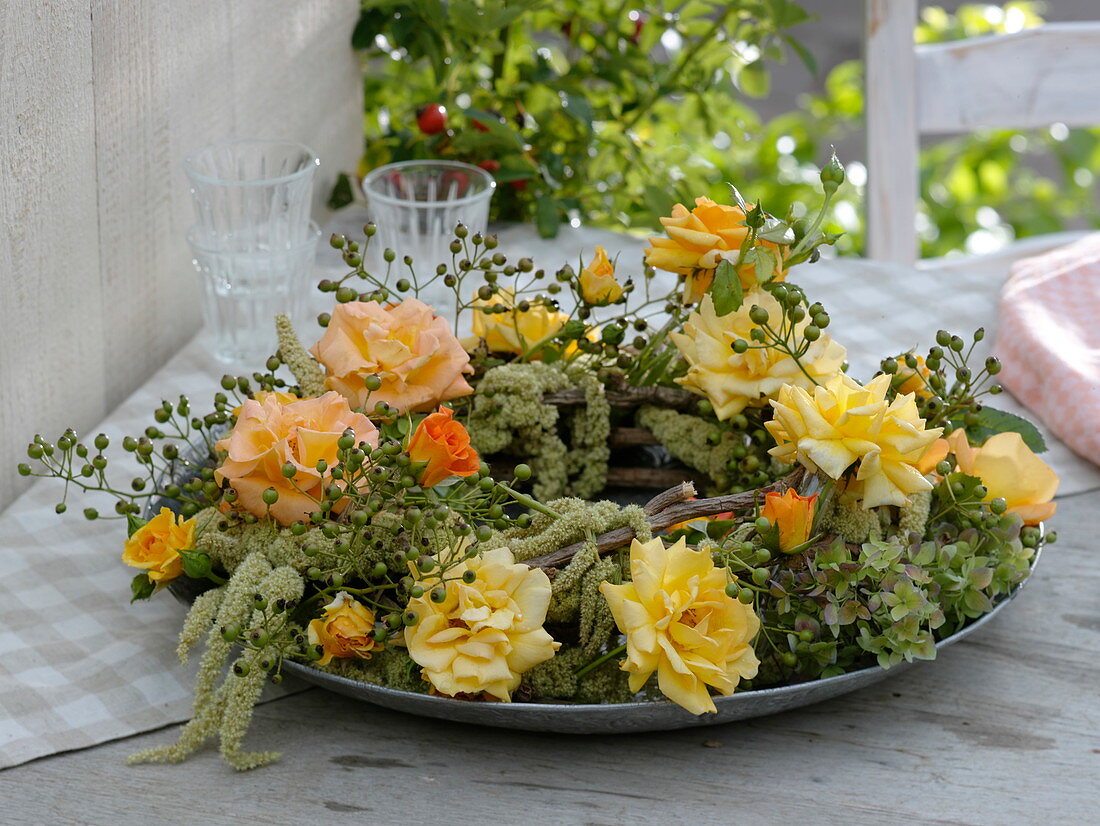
<point>141,587</point>
<point>579,108</point>
<point>341,193</point>
<point>754,80</point>
<point>765,264</point>
<point>546,216</point>
<point>658,199</point>
<point>196,564</point>
<point>133,524</point>
<point>726,292</point>
<point>776,231</point>
<point>992,421</point>
<point>808,60</point>
<point>505,135</point>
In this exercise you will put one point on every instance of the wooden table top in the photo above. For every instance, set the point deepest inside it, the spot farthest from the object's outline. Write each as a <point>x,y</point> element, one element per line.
<point>1003,728</point>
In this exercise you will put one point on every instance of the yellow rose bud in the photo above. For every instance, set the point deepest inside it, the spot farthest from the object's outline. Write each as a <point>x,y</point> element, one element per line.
<point>155,546</point>
<point>343,630</point>
<point>597,280</point>
<point>912,379</point>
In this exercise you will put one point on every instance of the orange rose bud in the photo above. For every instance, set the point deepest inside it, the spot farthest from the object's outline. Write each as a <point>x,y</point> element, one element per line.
<point>444,445</point>
<point>343,630</point>
<point>792,515</point>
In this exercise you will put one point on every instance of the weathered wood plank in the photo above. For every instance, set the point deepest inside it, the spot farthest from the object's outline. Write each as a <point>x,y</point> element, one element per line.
<point>146,279</point>
<point>100,101</point>
<point>1001,729</point>
<point>631,437</point>
<point>1026,80</point>
<point>51,319</point>
<point>892,145</point>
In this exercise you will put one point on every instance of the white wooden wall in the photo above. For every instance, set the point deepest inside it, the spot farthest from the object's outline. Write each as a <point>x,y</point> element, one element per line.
<point>1025,80</point>
<point>99,102</point>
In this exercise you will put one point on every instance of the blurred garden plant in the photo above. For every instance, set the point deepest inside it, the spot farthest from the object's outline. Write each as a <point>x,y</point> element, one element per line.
<point>574,125</point>
<point>977,191</point>
<point>575,107</point>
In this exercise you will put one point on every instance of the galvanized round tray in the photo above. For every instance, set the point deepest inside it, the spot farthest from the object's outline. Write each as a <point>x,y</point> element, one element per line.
<point>621,718</point>
<point>609,718</point>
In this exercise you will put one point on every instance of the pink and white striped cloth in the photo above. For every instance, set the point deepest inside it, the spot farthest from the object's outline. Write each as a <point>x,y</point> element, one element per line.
<point>1049,341</point>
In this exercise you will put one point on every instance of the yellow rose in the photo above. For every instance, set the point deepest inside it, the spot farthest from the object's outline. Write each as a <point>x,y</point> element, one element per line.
<point>271,433</point>
<point>412,350</point>
<point>514,330</point>
<point>1010,470</point>
<point>155,546</point>
<point>680,622</point>
<point>343,630</point>
<point>844,421</point>
<point>699,239</point>
<point>597,280</point>
<point>483,635</point>
<point>732,381</point>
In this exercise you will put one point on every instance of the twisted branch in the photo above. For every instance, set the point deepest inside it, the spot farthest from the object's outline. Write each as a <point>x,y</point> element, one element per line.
<point>667,509</point>
<point>629,396</point>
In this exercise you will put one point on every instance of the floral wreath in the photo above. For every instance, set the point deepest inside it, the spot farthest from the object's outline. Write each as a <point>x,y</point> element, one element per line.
<point>406,508</point>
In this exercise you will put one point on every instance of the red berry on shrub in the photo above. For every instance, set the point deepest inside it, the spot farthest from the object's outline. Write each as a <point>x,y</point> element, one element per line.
<point>518,186</point>
<point>432,119</point>
<point>490,165</point>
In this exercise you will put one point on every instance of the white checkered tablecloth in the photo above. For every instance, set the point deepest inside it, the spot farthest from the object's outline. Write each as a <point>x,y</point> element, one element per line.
<point>79,665</point>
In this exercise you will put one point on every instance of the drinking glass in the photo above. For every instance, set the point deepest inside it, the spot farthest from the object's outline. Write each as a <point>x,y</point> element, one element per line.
<point>242,292</point>
<point>417,204</point>
<point>253,243</point>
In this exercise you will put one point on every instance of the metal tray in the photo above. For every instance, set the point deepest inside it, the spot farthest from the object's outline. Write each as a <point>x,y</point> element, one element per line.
<point>615,718</point>
<point>620,718</point>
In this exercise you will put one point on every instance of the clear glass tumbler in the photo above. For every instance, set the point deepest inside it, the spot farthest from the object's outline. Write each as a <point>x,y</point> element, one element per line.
<point>243,291</point>
<point>416,205</point>
<point>253,243</point>
<point>252,194</point>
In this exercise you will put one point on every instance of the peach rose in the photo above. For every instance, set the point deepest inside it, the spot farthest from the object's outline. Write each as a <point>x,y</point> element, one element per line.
<point>343,630</point>
<point>155,546</point>
<point>444,445</point>
<point>1009,470</point>
<point>412,350</point>
<point>270,434</point>
<point>936,453</point>
<point>701,238</point>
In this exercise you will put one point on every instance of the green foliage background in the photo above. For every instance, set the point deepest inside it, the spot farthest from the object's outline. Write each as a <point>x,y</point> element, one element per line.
<point>595,113</point>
